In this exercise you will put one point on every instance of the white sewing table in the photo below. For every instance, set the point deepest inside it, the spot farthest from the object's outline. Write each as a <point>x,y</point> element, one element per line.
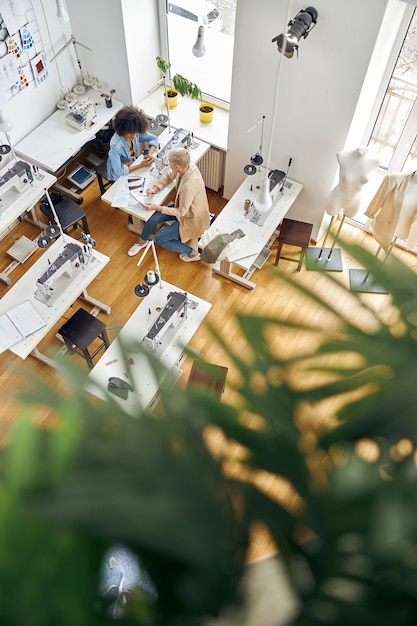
<point>54,143</point>
<point>140,373</point>
<point>135,209</point>
<point>15,204</point>
<point>251,251</point>
<point>25,289</point>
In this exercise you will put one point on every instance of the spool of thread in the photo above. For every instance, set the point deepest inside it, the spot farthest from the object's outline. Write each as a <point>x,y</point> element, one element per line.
<point>150,275</point>
<point>247,205</point>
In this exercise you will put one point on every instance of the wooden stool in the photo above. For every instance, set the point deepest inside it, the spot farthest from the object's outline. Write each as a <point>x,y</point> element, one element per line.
<point>294,233</point>
<point>81,330</point>
<point>208,376</point>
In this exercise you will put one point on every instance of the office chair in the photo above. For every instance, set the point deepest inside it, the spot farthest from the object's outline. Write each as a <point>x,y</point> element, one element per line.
<point>68,211</point>
<point>101,171</point>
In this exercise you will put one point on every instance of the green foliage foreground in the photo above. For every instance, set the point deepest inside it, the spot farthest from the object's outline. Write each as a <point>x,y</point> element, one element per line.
<point>101,477</point>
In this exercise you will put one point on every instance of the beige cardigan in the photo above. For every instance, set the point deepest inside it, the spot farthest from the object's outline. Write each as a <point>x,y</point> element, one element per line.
<point>191,205</point>
<point>385,210</point>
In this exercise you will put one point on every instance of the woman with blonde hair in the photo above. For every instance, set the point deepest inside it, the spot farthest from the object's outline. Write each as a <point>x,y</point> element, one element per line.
<point>188,218</point>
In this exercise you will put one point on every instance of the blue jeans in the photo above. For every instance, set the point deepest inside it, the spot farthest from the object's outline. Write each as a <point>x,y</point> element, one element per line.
<point>169,236</point>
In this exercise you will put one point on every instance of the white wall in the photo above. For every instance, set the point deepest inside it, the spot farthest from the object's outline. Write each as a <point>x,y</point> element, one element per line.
<point>124,37</point>
<point>317,92</point>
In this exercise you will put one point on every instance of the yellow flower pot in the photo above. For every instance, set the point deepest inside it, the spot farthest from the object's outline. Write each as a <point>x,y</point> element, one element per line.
<point>206,112</point>
<point>172,96</point>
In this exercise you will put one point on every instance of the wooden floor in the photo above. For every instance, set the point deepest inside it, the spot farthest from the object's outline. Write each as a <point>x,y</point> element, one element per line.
<point>115,285</point>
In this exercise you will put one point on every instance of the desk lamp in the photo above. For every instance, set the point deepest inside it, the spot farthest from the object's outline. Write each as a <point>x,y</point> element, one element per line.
<point>61,12</point>
<point>52,232</point>
<point>151,278</point>
<point>256,159</point>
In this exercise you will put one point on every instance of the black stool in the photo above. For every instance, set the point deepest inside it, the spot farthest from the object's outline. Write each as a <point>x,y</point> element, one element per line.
<point>101,171</point>
<point>81,330</point>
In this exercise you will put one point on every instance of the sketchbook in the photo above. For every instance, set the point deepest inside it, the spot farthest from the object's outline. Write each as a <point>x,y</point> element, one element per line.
<point>18,323</point>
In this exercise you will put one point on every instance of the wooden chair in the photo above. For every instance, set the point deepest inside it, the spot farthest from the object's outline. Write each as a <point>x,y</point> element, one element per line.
<point>294,233</point>
<point>81,331</point>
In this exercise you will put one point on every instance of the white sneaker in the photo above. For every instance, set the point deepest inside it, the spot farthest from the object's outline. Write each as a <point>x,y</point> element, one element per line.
<point>189,259</point>
<point>137,247</point>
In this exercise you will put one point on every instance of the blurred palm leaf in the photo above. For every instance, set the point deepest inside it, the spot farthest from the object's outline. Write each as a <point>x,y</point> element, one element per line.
<point>349,542</point>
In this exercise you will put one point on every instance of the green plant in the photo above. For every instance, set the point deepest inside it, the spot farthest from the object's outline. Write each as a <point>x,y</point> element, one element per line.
<point>348,540</point>
<point>184,86</point>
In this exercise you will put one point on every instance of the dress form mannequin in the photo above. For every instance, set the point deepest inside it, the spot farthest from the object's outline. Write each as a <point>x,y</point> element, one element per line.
<point>355,169</point>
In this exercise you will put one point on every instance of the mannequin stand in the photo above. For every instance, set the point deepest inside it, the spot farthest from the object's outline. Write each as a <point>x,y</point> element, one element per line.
<point>329,259</point>
<point>362,281</point>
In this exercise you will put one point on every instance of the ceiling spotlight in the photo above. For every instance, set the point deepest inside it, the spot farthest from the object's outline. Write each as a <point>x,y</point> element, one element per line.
<point>298,29</point>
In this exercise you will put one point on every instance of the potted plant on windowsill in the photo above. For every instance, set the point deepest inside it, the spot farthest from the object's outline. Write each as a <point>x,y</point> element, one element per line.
<point>206,112</point>
<point>184,87</point>
<point>170,93</point>
<point>193,91</point>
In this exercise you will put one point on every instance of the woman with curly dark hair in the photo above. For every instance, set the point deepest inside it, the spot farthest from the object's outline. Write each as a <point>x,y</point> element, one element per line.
<point>131,127</point>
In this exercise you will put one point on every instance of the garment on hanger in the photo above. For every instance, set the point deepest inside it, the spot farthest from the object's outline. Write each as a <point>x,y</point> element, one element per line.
<point>393,210</point>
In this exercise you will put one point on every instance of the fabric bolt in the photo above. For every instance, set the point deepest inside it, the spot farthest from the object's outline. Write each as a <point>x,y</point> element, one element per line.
<point>214,248</point>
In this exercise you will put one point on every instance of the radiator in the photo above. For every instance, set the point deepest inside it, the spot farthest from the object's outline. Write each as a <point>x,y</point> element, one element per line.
<point>211,167</point>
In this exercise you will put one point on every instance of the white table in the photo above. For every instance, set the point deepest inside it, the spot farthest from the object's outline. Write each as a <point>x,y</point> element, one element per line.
<point>138,213</point>
<point>15,204</point>
<point>248,250</point>
<point>53,143</point>
<point>139,372</point>
<point>25,289</point>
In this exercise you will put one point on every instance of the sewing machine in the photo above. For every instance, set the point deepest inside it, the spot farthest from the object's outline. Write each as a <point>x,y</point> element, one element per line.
<point>59,273</point>
<point>81,115</point>
<point>180,139</point>
<point>171,316</point>
<point>18,178</point>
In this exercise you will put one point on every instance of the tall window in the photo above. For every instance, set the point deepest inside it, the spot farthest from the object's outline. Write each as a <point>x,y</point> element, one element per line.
<point>213,71</point>
<point>394,136</point>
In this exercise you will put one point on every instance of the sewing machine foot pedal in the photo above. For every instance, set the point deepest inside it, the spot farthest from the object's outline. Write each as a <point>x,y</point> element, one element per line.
<point>264,254</point>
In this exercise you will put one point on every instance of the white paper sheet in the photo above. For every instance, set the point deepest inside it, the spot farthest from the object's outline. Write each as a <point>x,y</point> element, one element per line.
<point>19,322</point>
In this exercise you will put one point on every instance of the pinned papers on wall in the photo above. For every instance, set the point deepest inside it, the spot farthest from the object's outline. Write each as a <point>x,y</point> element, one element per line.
<point>39,68</point>
<point>9,72</point>
<point>27,40</point>
<point>12,47</point>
